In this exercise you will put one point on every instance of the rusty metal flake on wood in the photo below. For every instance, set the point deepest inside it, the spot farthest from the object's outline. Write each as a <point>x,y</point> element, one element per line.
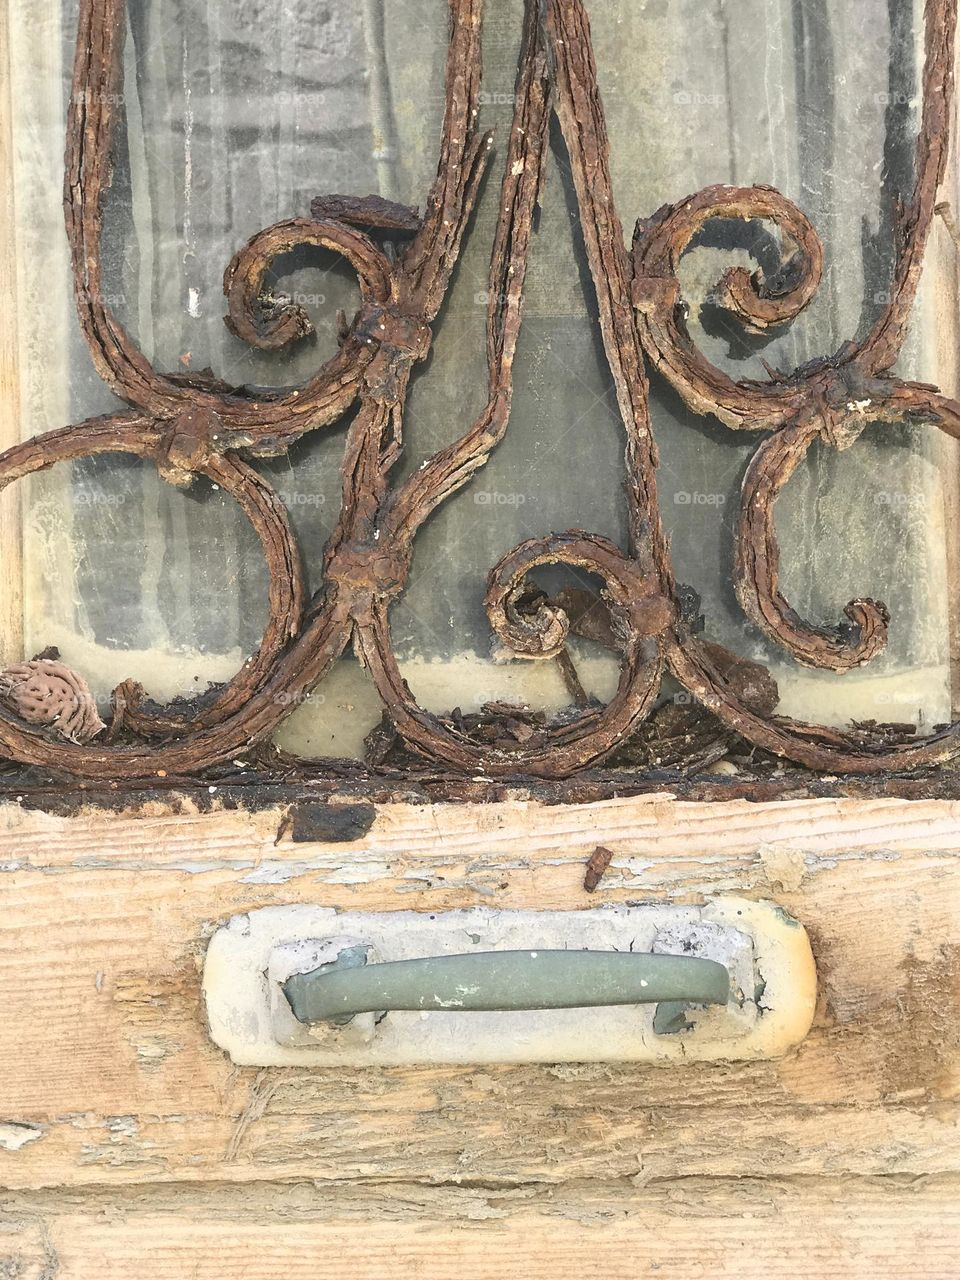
<point>596,867</point>
<point>196,425</point>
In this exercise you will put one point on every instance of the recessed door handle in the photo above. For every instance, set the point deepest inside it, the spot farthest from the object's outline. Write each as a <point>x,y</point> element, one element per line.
<point>300,985</point>
<point>487,981</point>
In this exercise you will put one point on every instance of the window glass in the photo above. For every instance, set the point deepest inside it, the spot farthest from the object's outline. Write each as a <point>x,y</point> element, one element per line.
<point>237,113</point>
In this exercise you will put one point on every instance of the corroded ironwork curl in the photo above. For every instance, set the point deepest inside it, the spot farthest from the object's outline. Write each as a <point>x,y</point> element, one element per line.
<point>757,565</point>
<point>659,244</point>
<point>196,425</point>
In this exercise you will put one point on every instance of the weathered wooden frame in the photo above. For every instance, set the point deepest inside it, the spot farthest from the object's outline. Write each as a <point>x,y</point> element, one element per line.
<point>129,1140</point>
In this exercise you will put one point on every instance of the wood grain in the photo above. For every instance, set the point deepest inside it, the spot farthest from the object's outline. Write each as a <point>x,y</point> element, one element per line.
<point>11,573</point>
<point>859,1229</point>
<point>102,934</point>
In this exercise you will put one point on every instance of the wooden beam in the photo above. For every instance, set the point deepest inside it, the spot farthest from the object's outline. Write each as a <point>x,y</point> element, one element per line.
<point>112,1080</point>
<point>859,1229</point>
<point>11,514</point>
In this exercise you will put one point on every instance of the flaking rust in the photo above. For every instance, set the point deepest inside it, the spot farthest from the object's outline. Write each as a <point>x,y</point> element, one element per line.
<point>596,868</point>
<point>192,424</point>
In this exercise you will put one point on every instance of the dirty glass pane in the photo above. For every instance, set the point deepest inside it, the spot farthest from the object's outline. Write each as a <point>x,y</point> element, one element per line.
<point>237,112</point>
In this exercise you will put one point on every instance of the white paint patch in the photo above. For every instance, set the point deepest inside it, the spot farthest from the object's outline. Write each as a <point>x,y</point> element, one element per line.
<point>14,1134</point>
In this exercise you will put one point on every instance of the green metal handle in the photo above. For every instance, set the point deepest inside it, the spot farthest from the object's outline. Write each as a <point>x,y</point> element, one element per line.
<point>501,980</point>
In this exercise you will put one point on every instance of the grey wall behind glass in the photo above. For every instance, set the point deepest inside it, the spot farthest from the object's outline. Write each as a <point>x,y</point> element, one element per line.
<point>237,113</point>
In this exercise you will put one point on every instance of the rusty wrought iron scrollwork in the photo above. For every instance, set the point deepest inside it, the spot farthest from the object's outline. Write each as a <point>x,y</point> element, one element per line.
<point>195,425</point>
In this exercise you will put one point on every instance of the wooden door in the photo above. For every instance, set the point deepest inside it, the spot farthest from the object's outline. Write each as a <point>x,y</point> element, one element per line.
<point>129,1145</point>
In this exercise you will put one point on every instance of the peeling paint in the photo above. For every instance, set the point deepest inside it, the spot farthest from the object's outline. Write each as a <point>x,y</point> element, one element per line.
<point>784,867</point>
<point>16,1134</point>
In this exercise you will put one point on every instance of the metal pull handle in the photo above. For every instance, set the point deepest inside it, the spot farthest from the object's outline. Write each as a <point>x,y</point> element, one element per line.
<point>502,980</point>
